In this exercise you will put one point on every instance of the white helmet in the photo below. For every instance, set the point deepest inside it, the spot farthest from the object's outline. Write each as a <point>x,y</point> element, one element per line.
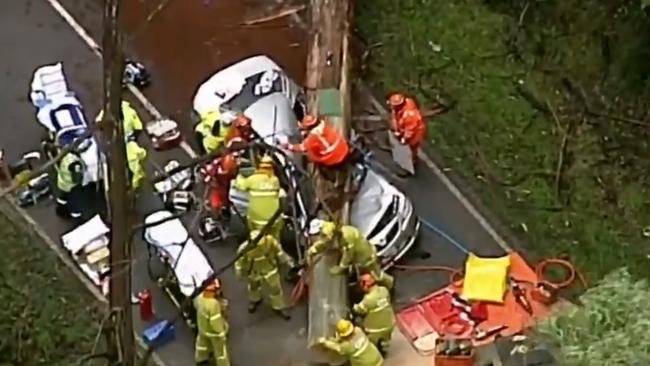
<point>315,226</point>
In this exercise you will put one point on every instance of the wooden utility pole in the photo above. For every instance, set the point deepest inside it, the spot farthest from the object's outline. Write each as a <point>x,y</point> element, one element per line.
<point>328,82</point>
<point>121,341</point>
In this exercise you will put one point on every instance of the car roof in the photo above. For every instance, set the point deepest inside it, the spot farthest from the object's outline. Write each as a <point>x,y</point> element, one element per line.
<point>272,116</point>
<point>230,81</point>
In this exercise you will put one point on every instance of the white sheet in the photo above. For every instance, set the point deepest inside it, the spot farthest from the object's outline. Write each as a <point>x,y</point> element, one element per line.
<point>48,82</point>
<point>85,234</point>
<point>188,261</point>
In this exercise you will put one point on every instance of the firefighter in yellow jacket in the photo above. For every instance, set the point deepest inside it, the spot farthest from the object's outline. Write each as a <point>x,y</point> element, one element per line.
<point>376,311</point>
<point>135,156</point>
<point>212,326</point>
<point>356,250</point>
<point>130,118</point>
<point>211,131</point>
<point>351,343</point>
<point>260,265</point>
<point>264,193</point>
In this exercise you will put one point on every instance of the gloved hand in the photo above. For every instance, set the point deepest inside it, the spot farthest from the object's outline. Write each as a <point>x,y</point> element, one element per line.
<point>337,270</point>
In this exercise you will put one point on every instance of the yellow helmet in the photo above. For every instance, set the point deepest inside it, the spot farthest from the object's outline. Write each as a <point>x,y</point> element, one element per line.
<point>266,162</point>
<point>328,228</point>
<point>344,328</point>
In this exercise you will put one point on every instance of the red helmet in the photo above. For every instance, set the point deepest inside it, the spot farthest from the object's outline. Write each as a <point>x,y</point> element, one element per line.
<point>309,122</point>
<point>229,163</point>
<point>367,280</point>
<point>396,100</point>
<point>242,121</point>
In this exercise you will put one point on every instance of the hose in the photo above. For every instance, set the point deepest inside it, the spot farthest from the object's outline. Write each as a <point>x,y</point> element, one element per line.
<point>572,273</point>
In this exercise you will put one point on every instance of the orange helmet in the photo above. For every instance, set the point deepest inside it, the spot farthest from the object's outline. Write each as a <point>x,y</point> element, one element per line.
<point>213,286</point>
<point>396,100</point>
<point>242,121</point>
<point>309,122</point>
<point>229,162</point>
<point>367,280</point>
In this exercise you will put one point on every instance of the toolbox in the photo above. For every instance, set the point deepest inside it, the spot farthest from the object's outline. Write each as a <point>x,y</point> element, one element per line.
<point>164,133</point>
<point>464,356</point>
<point>159,334</point>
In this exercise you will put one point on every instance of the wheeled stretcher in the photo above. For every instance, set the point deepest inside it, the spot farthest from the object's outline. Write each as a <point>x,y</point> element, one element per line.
<point>185,264</point>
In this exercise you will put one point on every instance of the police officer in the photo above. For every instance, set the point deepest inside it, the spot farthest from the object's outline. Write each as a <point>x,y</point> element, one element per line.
<point>376,311</point>
<point>260,265</point>
<point>264,193</point>
<point>135,156</point>
<point>356,250</point>
<point>351,343</point>
<point>211,131</point>
<point>69,177</point>
<point>130,118</point>
<point>212,326</point>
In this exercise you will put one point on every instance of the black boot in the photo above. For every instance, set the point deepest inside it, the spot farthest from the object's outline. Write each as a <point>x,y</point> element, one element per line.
<point>252,306</point>
<point>284,313</point>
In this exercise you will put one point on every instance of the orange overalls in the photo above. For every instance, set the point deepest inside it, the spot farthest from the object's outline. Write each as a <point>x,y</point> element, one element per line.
<point>409,126</point>
<point>218,176</point>
<point>323,146</point>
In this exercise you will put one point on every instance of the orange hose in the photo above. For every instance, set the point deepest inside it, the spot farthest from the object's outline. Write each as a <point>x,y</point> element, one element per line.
<point>299,289</point>
<point>541,267</point>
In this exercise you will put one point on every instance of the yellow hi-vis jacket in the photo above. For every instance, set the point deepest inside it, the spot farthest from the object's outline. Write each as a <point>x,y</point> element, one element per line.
<point>264,194</point>
<point>132,122</point>
<point>211,142</point>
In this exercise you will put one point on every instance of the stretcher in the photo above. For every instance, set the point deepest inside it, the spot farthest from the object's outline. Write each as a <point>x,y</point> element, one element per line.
<point>185,264</point>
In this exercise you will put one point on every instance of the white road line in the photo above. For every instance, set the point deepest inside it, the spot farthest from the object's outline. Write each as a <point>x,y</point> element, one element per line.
<point>88,40</point>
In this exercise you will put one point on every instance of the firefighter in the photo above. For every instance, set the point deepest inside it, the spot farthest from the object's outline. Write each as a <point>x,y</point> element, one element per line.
<point>69,178</point>
<point>322,144</point>
<point>356,251</point>
<point>260,265</point>
<point>407,123</point>
<point>240,130</point>
<point>130,118</point>
<point>218,174</point>
<point>135,156</point>
<point>376,311</point>
<point>264,194</point>
<point>211,131</point>
<point>212,326</point>
<point>351,343</point>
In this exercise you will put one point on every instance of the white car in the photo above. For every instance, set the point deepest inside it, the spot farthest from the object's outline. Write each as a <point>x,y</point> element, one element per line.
<point>62,115</point>
<point>258,87</point>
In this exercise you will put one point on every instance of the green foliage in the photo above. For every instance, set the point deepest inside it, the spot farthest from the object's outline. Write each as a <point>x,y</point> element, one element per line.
<point>47,318</point>
<point>610,329</point>
<point>511,65</point>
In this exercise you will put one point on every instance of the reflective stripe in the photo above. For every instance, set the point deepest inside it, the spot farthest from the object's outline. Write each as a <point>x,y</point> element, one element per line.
<point>263,193</point>
<point>275,271</point>
<point>215,317</point>
<point>381,305</point>
<point>199,348</point>
<point>61,201</point>
<point>329,147</point>
<point>215,335</point>
<point>377,330</point>
<point>362,348</point>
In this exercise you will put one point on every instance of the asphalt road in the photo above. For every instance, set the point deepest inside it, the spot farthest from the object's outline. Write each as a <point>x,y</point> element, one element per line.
<point>33,35</point>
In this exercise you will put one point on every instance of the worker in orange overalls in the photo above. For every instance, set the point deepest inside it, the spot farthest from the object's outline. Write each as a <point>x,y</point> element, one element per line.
<point>240,130</point>
<point>218,174</point>
<point>323,145</point>
<point>407,123</point>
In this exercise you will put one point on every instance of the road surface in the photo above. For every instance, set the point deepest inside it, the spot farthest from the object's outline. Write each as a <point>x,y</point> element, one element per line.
<point>181,46</point>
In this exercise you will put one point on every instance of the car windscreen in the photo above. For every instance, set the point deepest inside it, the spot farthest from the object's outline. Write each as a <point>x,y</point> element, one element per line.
<point>255,88</point>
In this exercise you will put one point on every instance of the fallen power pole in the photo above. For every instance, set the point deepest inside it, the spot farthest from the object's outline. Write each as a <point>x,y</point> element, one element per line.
<point>328,84</point>
<point>121,346</point>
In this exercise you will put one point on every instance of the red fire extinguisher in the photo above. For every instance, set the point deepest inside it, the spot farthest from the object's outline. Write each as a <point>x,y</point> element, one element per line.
<point>146,305</point>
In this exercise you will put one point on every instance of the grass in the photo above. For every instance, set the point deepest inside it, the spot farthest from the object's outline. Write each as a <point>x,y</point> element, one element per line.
<point>47,317</point>
<point>519,78</point>
<point>610,329</point>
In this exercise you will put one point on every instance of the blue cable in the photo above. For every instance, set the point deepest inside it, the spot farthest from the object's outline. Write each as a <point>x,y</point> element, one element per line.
<point>440,232</point>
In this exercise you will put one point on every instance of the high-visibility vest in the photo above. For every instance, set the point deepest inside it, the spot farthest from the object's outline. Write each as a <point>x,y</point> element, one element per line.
<point>131,120</point>
<point>376,309</point>
<point>210,320</point>
<point>358,349</point>
<point>324,146</point>
<point>263,260</point>
<point>211,142</point>
<point>263,195</point>
<point>134,156</point>
<point>65,180</point>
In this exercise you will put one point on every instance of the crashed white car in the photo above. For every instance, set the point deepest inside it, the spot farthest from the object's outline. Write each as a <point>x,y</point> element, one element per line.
<point>258,87</point>
<point>61,113</point>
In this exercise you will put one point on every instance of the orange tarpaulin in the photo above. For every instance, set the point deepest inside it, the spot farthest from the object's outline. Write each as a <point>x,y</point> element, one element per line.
<point>423,319</point>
